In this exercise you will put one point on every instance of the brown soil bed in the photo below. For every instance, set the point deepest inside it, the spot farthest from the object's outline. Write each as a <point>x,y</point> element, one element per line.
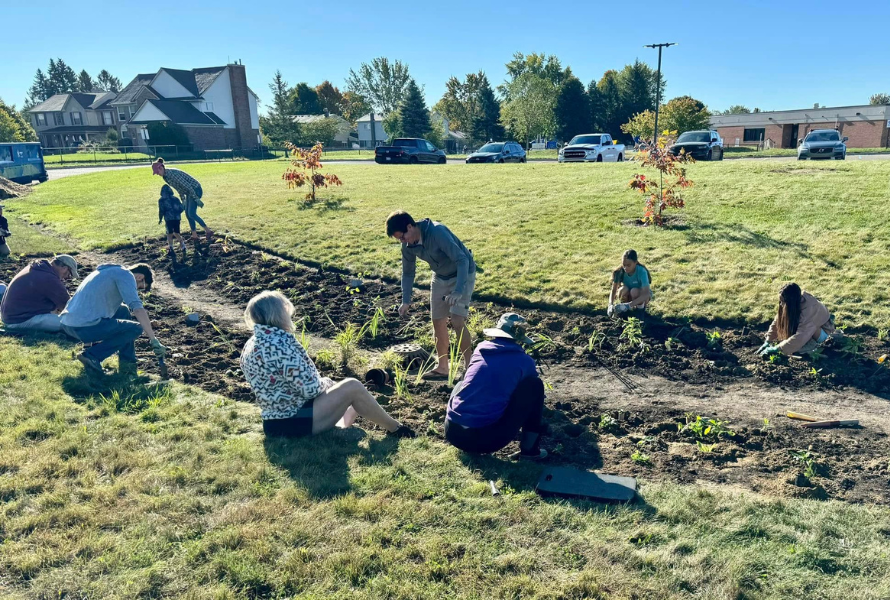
<point>10,189</point>
<point>640,437</point>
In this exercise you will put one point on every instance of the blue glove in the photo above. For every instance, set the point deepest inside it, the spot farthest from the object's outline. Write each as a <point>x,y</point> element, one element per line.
<point>770,350</point>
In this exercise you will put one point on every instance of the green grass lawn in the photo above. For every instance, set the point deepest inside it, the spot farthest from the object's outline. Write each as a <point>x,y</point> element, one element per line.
<point>97,157</point>
<point>545,232</point>
<point>369,155</point>
<point>149,492</point>
<point>26,239</point>
<point>744,152</point>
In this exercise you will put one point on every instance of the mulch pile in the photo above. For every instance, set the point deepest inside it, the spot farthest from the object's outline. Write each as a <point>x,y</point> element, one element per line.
<point>9,189</point>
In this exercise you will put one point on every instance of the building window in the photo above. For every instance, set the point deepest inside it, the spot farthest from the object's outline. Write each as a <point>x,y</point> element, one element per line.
<point>144,133</point>
<point>122,114</point>
<point>124,131</point>
<point>41,119</point>
<point>76,119</point>
<point>59,118</point>
<point>107,117</point>
<point>754,135</point>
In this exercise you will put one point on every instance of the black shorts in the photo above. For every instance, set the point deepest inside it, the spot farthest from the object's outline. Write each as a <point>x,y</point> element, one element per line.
<point>173,226</point>
<point>299,425</point>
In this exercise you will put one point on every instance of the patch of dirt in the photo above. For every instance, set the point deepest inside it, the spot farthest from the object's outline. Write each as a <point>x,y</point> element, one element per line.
<point>678,368</point>
<point>10,189</point>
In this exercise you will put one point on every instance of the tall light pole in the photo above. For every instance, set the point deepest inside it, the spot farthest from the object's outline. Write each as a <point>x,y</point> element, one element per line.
<point>658,84</point>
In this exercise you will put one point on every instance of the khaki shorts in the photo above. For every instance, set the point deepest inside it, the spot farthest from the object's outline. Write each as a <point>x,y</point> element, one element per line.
<point>439,309</point>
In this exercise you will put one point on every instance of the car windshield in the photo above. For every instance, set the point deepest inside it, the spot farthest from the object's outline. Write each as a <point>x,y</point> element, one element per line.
<point>585,139</point>
<point>694,136</point>
<point>491,148</point>
<point>406,143</point>
<point>824,136</point>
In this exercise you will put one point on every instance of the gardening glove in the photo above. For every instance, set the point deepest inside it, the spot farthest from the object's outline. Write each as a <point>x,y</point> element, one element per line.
<point>454,299</point>
<point>611,310</point>
<point>770,350</point>
<point>158,348</point>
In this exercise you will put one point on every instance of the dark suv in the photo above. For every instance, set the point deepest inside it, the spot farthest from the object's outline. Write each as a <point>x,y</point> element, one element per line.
<point>409,150</point>
<point>498,152</point>
<point>700,145</point>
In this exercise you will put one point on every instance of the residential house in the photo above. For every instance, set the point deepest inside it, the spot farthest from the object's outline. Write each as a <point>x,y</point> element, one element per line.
<point>68,120</point>
<point>455,142</point>
<point>364,131</point>
<point>342,136</point>
<point>213,105</point>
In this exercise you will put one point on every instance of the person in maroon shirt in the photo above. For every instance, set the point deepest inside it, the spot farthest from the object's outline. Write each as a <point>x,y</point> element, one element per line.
<point>37,294</point>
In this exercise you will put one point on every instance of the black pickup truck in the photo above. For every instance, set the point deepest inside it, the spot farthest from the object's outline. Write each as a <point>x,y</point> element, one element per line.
<point>409,150</point>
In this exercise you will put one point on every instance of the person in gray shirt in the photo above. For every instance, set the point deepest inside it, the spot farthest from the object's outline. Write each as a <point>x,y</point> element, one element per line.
<point>101,313</point>
<point>451,289</point>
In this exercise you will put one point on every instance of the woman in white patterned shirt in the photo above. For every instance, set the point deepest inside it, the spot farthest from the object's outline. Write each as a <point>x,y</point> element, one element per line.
<point>295,400</point>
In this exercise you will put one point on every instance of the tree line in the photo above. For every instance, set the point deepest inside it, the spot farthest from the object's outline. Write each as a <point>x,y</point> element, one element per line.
<point>61,79</point>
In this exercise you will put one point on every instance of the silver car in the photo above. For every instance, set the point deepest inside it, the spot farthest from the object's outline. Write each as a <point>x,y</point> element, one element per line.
<point>822,144</point>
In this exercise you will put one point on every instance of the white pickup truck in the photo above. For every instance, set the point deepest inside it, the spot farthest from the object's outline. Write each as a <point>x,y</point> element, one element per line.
<point>592,147</point>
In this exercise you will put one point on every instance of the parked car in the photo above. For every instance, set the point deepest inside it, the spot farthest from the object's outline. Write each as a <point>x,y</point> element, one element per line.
<point>410,151</point>
<point>700,145</point>
<point>592,147</point>
<point>498,152</point>
<point>22,162</point>
<point>822,143</point>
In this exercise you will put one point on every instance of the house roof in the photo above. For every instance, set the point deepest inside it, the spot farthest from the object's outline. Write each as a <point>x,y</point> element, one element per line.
<point>102,99</point>
<point>76,129</point>
<point>185,78</point>
<point>57,102</point>
<point>181,113</point>
<point>367,117</point>
<point>129,93</point>
<point>205,77</point>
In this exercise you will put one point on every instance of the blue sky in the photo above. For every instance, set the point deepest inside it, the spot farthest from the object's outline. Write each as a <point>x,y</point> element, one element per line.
<point>772,55</point>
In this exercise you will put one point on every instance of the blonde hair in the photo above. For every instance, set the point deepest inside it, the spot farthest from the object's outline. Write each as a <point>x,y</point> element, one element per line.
<point>270,308</point>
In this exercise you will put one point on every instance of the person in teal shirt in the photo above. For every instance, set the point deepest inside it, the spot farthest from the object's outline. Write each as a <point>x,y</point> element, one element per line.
<point>631,286</point>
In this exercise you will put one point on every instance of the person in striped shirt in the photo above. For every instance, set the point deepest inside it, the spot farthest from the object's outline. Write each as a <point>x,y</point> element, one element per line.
<point>189,190</point>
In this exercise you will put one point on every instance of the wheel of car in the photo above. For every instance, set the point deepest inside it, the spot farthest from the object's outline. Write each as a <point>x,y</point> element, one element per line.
<point>599,158</point>
<point>442,160</point>
<point>800,158</point>
<point>710,155</point>
<point>501,161</point>
<point>620,158</point>
<point>843,156</point>
<point>721,154</point>
<point>412,160</point>
<point>522,160</point>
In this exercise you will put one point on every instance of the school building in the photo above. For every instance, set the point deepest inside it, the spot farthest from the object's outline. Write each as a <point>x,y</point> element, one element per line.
<point>866,126</point>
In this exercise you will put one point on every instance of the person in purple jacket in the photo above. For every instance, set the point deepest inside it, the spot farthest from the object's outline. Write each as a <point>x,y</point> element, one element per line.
<point>499,395</point>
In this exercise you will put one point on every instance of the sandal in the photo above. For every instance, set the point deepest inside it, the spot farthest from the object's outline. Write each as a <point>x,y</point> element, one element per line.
<point>434,376</point>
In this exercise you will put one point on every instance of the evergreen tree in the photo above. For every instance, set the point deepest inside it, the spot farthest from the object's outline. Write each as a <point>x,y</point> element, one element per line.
<point>414,118</point>
<point>636,84</point>
<point>572,111</point>
<point>37,93</point>
<point>280,92</point>
<point>486,124</point>
<point>610,104</point>
<point>62,78</point>
<point>85,82</point>
<point>597,107</point>
<point>107,82</point>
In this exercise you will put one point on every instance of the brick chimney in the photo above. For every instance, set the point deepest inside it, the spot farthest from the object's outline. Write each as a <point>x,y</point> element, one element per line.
<point>245,134</point>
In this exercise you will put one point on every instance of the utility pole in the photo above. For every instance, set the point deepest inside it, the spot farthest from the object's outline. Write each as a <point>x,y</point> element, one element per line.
<point>658,85</point>
<point>373,132</point>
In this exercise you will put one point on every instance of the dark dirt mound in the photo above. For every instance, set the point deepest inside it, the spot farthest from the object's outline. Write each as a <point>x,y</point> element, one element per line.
<point>776,458</point>
<point>10,189</point>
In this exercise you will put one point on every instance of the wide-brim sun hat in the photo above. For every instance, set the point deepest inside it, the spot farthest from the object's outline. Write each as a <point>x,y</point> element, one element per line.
<point>510,326</point>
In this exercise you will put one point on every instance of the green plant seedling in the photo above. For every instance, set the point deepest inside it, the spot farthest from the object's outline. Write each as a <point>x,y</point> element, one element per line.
<point>596,339</point>
<point>400,382</point>
<point>544,343</point>
<point>767,424</point>
<point>672,342</point>
<point>632,332</point>
<point>224,340</point>
<point>641,458</point>
<point>427,366</point>
<point>808,461</point>
<point>389,360</point>
<point>882,334</point>
<point>373,325</point>
<point>607,422</point>
<point>347,341</point>
<point>815,373</point>
<point>714,339</point>
<point>325,359</point>
<point>705,448</point>
<point>454,357</point>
